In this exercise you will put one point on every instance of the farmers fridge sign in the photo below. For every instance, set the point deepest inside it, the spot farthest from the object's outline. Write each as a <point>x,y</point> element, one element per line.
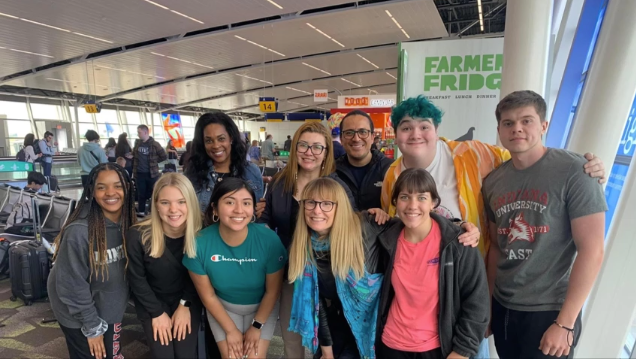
<point>463,78</point>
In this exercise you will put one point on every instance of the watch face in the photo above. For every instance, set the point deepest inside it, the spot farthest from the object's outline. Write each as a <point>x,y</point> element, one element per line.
<point>257,325</point>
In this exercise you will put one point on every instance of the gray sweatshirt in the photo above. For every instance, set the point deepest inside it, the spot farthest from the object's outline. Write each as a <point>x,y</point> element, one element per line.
<point>78,302</point>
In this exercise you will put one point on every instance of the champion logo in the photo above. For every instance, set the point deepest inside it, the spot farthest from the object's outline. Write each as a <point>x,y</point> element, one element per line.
<point>433,262</point>
<point>216,258</point>
<point>222,258</point>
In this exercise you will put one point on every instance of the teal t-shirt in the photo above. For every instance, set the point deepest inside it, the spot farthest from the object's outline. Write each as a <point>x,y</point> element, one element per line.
<point>238,273</point>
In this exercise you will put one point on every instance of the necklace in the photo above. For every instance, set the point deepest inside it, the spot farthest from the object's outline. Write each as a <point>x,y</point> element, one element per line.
<point>221,176</point>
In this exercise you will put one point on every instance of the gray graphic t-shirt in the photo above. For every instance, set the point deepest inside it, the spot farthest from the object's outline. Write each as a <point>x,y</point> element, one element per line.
<point>533,209</point>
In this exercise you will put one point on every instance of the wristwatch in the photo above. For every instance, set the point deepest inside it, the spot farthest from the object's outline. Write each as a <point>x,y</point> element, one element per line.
<point>185,303</point>
<point>256,324</point>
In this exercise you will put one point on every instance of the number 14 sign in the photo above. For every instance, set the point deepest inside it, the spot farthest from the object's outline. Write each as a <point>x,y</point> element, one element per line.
<point>268,104</point>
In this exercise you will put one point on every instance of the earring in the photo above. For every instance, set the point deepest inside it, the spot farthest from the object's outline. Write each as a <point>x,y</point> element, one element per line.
<point>323,166</point>
<point>253,218</point>
<point>215,220</point>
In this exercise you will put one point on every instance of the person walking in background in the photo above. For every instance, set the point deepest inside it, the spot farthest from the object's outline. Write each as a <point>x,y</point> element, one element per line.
<point>87,286</point>
<point>110,149</point>
<point>219,152</point>
<point>237,267</point>
<point>124,150</point>
<point>376,144</point>
<point>47,150</point>
<point>166,301</point>
<point>255,153</point>
<point>287,145</point>
<point>29,151</point>
<point>146,157</point>
<point>90,155</point>
<point>338,149</point>
<point>267,148</point>
<point>172,153</point>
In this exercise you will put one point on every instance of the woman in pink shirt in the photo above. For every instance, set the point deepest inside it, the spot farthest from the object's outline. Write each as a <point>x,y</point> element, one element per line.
<point>434,301</point>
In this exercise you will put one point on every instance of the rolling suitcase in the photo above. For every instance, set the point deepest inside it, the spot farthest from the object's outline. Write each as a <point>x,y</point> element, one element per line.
<point>29,267</point>
<point>4,258</point>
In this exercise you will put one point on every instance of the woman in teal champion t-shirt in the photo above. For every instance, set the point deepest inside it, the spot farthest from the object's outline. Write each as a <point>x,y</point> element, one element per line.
<point>238,272</point>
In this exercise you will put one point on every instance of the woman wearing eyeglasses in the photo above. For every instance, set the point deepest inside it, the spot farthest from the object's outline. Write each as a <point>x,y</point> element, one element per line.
<point>310,158</point>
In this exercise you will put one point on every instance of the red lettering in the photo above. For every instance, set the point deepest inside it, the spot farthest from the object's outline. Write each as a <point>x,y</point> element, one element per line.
<point>116,347</point>
<point>117,327</point>
<point>544,198</point>
<point>116,336</point>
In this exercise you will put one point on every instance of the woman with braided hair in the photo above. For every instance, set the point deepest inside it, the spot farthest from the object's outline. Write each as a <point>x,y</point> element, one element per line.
<point>87,287</point>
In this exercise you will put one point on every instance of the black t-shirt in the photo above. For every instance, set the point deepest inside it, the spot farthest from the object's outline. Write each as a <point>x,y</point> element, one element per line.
<point>175,246</point>
<point>295,207</point>
<point>172,155</point>
<point>359,172</point>
<point>143,157</point>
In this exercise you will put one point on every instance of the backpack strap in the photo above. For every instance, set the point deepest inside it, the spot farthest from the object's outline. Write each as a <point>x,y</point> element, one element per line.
<point>94,156</point>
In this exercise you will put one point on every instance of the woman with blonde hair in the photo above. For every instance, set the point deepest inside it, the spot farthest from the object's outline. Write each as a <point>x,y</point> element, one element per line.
<point>166,300</point>
<point>335,265</point>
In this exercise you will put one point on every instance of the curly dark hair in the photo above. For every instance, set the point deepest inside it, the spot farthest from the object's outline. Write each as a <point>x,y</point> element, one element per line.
<point>198,166</point>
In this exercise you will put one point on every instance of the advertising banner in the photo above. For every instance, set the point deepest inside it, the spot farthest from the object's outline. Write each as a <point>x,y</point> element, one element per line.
<point>463,78</point>
<point>321,95</point>
<point>172,126</point>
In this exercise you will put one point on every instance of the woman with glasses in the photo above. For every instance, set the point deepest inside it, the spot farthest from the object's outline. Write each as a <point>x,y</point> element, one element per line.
<point>336,271</point>
<point>219,152</point>
<point>310,158</point>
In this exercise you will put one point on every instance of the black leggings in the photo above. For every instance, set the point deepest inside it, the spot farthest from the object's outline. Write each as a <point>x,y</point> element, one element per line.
<point>77,343</point>
<point>384,352</point>
<point>175,349</point>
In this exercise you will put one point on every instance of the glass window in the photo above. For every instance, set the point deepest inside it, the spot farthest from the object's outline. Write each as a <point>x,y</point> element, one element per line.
<point>83,127</point>
<point>108,130</point>
<point>14,110</point>
<point>17,128</point>
<point>45,112</point>
<point>188,133</point>
<point>84,116</point>
<point>107,116</point>
<point>187,121</point>
<point>15,144</point>
<point>132,117</point>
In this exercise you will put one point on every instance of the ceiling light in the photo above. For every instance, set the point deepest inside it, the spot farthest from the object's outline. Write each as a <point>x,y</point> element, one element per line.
<point>395,78</point>
<point>315,68</point>
<point>155,4</point>
<point>351,82</point>
<point>259,45</point>
<point>325,35</point>
<point>275,4</point>
<point>182,60</point>
<point>154,53</point>
<point>481,16</point>
<point>374,91</point>
<point>198,64</point>
<point>186,16</point>
<point>178,59</point>
<point>56,28</point>
<point>131,72</point>
<point>45,25</point>
<point>372,64</point>
<point>305,92</point>
<point>7,15</point>
<point>255,79</point>
<point>92,37</point>
<point>296,103</point>
<point>28,52</point>
<point>397,24</point>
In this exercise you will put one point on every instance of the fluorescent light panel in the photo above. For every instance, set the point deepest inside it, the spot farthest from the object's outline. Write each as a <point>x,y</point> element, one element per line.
<point>182,60</point>
<point>397,24</point>
<point>26,52</point>
<point>55,28</point>
<point>315,68</point>
<point>395,78</point>
<point>275,4</point>
<point>259,45</point>
<point>481,15</point>
<point>294,89</point>
<point>130,72</point>
<point>325,35</point>
<point>81,83</point>
<point>253,78</point>
<point>173,11</point>
<point>351,82</point>
<point>372,64</point>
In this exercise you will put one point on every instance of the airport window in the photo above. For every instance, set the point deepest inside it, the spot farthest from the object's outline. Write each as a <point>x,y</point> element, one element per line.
<point>188,133</point>
<point>17,128</point>
<point>42,111</point>
<point>14,110</point>
<point>187,121</point>
<point>107,116</point>
<point>108,130</point>
<point>84,116</point>
<point>132,117</point>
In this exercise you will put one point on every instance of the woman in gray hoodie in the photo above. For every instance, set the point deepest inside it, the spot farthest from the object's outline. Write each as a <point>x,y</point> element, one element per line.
<point>87,287</point>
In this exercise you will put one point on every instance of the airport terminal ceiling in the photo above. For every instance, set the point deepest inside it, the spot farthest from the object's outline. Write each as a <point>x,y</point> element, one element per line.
<point>222,54</point>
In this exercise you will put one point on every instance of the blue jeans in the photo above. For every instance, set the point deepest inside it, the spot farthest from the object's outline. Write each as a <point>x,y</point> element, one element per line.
<point>46,168</point>
<point>484,350</point>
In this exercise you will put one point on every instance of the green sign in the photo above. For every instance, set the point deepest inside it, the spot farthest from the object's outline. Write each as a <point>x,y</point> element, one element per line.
<point>14,166</point>
<point>461,73</point>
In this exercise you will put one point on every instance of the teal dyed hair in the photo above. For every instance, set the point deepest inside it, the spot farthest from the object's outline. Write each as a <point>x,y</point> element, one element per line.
<point>416,107</point>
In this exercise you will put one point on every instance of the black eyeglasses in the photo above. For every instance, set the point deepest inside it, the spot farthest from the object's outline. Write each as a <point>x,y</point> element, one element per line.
<point>303,147</point>
<point>363,133</point>
<point>325,206</point>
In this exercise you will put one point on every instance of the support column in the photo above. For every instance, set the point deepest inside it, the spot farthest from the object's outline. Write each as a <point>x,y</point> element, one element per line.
<point>526,46</point>
<point>599,122</point>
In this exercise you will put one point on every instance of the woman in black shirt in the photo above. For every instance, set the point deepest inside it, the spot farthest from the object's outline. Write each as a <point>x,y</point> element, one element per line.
<point>165,298</point>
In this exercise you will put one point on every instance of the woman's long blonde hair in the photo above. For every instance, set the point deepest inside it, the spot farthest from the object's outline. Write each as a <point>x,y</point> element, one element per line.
<point>152,236</point>
<point>289,174</point>
<point>347,246</point>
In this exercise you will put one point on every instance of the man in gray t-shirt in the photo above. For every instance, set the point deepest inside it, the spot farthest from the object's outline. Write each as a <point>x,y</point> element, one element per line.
<point>543,212</point>
<point>267,149</point>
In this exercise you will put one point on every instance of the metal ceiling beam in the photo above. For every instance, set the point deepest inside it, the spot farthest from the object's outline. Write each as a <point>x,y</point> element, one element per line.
<point>244,68</point>
<point>272,87</point>
<point>187,37</point>
<point>489,14</point>
<point>472,4</point>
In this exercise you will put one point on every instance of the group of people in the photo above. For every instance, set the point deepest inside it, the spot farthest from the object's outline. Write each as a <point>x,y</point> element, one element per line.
<point>41,151</point>
<point>359,257</point>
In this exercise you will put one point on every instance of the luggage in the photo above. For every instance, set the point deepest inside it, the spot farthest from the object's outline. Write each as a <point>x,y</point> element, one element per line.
<point>4,257</point>
<point>53,185</point>
<point>29,265</point>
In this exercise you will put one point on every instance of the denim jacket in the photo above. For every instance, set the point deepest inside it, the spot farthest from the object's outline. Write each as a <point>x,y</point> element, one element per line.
<point>252,175</point>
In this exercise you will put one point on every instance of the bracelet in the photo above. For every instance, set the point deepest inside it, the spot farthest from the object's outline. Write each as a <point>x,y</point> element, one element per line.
<point>569,330</point>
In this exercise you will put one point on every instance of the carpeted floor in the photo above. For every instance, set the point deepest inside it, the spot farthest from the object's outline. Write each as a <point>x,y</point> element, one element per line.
<point>24,336</point>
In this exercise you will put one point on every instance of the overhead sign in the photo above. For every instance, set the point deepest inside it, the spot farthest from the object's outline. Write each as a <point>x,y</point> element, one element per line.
<point>366,101</point>
<point>268,104</point>
<point>321,95</point>
<point>13,166</point>
<point>92,107</point>
<point>461,77</point>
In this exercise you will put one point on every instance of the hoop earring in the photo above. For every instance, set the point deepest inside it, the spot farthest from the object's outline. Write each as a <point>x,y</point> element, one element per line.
<point>253,218</point>
<point>215,220</point>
